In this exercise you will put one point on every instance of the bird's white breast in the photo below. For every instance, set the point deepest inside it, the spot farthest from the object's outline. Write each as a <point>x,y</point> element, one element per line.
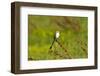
<point>57,34</point>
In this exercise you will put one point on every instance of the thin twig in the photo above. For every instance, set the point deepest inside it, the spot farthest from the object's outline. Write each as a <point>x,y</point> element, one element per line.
<point>84,49</point>
<point>64,49</point>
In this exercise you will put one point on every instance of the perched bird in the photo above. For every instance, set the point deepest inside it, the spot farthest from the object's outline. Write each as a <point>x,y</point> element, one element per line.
<point>56,36</point>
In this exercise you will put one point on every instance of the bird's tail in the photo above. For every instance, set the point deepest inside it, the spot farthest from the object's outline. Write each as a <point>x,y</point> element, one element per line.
<point>52,44</point>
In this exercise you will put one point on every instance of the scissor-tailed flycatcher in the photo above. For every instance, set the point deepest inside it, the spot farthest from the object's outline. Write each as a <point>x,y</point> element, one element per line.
<point>56,36</point>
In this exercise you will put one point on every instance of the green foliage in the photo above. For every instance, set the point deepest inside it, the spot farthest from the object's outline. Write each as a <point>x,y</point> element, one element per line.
<point>73,37</point>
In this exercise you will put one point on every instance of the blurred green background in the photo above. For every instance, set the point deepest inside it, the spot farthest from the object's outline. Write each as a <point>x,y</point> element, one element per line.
<point>73,37</point>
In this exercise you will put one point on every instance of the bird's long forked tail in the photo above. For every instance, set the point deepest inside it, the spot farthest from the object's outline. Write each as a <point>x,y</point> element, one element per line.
<point>52,44</point>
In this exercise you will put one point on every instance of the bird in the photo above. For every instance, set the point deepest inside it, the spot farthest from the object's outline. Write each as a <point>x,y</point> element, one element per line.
<point>56,36</point>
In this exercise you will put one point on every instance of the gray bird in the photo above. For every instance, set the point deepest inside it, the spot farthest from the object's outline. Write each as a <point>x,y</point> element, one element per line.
<point>56,36</point>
